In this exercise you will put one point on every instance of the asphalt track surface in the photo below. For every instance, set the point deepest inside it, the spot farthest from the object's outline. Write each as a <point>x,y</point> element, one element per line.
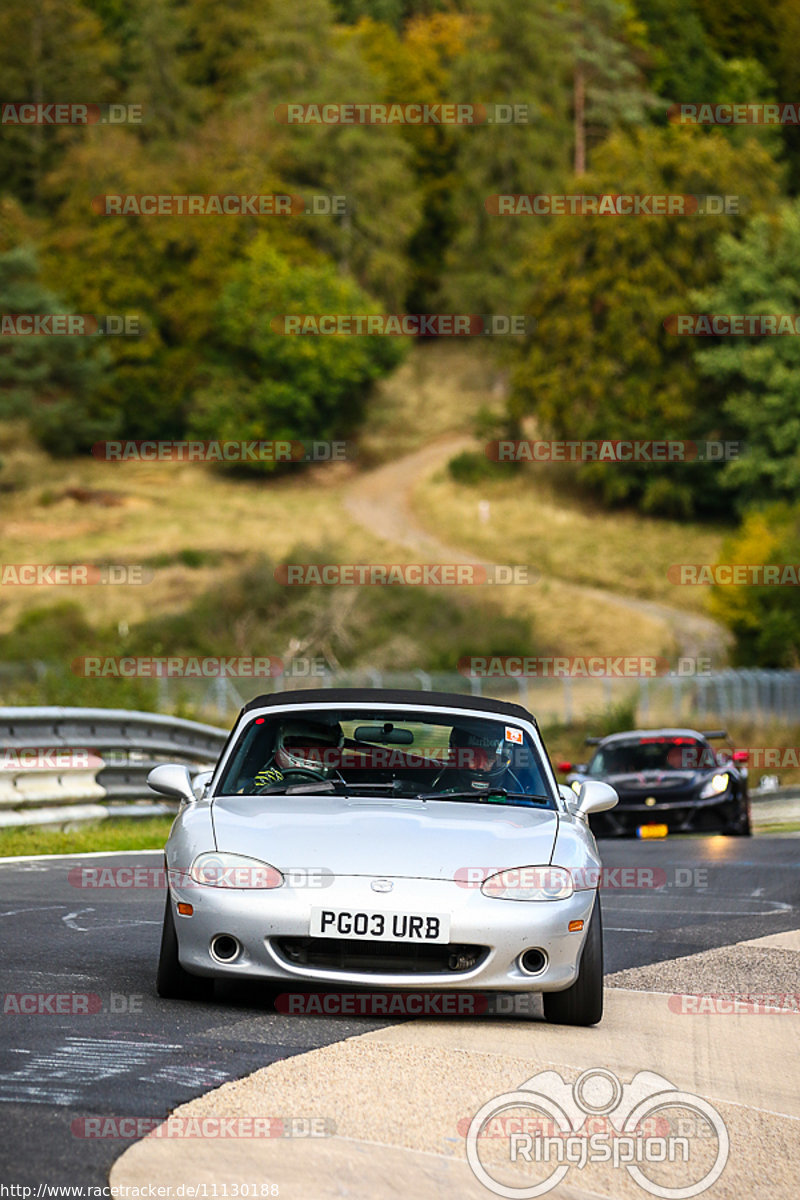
<point>139,1056</point>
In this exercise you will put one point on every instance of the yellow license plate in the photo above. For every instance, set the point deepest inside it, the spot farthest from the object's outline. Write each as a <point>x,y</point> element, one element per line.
<point>652,831</point>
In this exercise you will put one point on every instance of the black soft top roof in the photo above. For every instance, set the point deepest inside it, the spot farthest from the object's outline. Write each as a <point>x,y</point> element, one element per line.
<point>389,696</point>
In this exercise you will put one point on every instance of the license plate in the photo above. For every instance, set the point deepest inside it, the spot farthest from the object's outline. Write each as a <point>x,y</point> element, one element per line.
<point>652,831</point>
<point>368,925</point>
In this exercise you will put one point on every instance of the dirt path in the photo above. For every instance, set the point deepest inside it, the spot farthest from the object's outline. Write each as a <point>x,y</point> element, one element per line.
<point>380,500</point>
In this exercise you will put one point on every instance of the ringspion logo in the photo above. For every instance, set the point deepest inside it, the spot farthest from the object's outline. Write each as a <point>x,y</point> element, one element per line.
<point>649,1123</point>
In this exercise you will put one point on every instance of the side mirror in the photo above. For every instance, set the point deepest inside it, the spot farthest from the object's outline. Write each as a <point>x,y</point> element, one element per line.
<point>172,779</point>
<point>200,783</point>
<point>596,797</point>
<point>569,796</point>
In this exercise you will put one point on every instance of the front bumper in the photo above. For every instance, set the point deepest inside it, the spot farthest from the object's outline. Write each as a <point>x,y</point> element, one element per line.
<point>259,920</point>
<point>688,814</point>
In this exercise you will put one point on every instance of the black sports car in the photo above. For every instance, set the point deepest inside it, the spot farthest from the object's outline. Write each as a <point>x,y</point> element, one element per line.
<point>668,781</point>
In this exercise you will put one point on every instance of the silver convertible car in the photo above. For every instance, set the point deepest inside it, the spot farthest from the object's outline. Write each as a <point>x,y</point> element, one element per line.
<point>365,838</point>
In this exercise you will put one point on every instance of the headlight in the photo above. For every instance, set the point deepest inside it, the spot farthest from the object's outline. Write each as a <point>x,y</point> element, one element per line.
<point>716,785</point>
<point>234,871</point>
<point>530,883</point>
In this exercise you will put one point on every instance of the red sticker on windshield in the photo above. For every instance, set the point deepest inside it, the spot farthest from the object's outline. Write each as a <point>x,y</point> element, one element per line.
<point>513,735</point>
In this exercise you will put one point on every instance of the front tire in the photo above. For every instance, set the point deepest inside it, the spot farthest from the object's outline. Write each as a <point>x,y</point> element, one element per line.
<point>740,827</point>
<point>172,981</point>
<point>582,1003</point>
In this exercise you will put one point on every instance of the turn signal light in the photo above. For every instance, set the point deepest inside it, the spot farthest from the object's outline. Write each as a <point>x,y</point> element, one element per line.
<point>575,926</point>
<point>185,910</point>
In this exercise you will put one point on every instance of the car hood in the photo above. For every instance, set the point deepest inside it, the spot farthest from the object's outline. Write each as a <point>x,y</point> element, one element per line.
<point>359,836</point>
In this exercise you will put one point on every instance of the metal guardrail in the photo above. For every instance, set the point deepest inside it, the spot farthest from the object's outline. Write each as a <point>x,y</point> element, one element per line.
<point>122,748</point>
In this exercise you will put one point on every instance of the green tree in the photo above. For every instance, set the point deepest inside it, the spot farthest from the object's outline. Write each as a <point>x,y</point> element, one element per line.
<point>759,375</point>
<point>683,63</point>
<point>50,50</point>
<point>275,385</point>
<point>600,364</point>
<point>606,81</point>
<point>54,381</point>
<point>417,65</point>
<point>765,620</point>
<point>515,54</point>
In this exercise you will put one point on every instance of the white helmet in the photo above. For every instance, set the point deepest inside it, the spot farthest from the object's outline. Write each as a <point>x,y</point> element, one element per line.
<point>308,745</point>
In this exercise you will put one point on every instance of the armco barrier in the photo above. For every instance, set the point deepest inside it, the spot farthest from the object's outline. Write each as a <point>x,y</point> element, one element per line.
<point>121,748</point>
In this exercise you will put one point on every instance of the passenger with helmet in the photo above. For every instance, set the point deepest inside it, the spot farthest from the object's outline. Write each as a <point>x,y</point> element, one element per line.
<point>479,759</point>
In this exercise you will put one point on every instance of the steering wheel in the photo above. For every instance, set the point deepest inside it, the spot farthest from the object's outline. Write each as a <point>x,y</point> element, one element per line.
<point>306,772</point>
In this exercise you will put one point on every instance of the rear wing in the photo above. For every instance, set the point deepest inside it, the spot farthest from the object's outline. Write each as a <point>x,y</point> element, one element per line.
<point>716,733</point>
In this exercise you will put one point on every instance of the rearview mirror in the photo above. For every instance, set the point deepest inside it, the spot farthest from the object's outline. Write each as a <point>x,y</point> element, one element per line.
<point>172,779</point>
<point>596,797</point>
<point>388,737</point>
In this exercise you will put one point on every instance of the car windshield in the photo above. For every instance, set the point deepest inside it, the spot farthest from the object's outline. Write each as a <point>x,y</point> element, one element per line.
<point>427,754</point>
<point>656,753</point>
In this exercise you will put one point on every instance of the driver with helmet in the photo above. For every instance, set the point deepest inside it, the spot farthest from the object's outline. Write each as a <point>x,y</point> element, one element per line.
<point>302,748</point>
